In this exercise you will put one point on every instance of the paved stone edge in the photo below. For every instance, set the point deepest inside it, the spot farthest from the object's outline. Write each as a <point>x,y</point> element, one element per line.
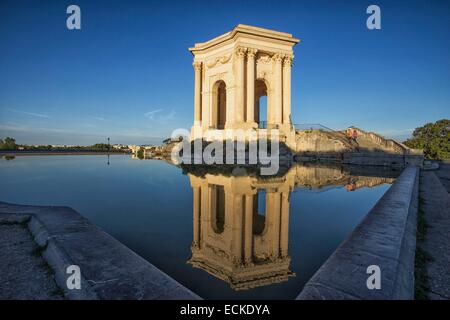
<point>436,209</point>
<point>109,269</point>
<point>387,238</point>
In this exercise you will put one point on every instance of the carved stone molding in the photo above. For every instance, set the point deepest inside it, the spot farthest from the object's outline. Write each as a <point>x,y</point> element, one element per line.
<point>264,58</point>
<point>264,74</point>
<point>218,76</point>
<point>219,60</point>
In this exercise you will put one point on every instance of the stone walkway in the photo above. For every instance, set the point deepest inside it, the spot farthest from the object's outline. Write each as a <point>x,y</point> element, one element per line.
<point>56,237</point>
<point>435,202</point>
<point>24,273</point>
<point>444,175</point>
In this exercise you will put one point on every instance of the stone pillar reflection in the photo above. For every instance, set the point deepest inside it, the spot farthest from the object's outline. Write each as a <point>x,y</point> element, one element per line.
<point>237,228</point>
<point>248,231</point>
<point>273,207</point>
<point>287,89</point>
<point>205,219</point>
<point>251,85</point>
<point>284,228</point>
<point>197,92</point>
<point>196,208</point>
<point>276,223</point>
<point>240,85</point>
<point>212,205</point>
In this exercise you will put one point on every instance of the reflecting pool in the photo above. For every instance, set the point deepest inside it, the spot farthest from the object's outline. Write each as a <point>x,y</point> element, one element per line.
<point>221,232</point>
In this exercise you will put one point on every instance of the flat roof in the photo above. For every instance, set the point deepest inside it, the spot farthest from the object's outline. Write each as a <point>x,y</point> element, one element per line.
<point>249,30</point>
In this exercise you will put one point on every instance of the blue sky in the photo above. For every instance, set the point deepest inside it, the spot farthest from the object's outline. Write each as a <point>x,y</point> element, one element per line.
<point>127,74</point>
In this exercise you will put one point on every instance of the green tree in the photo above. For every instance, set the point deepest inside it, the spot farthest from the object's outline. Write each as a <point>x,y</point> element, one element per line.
<point>140,153</point>
<point>8,144</point>
<point>433,138</point>
<point>100,146</point>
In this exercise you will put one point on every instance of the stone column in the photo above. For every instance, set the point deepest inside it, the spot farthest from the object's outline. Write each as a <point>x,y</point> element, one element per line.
<point>248,232</point>
<point>240,85</point>
<point>197,92</point>
<point>251,86</point>
<point>287,89</point>
<point>278,98</point>
<point>231,97</point>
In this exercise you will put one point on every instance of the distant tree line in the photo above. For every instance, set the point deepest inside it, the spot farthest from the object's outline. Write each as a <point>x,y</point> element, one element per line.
<point>433,138</point>
<point>10,144</point>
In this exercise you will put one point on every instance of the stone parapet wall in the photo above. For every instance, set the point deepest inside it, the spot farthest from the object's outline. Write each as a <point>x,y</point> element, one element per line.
<point>381,159</point>
<point>385,238</point>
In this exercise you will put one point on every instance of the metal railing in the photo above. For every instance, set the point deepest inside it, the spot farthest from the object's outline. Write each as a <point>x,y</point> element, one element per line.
<point>297,126</point>
<point>311,126</point>
<point>266,125</point>
<point>335,133</point>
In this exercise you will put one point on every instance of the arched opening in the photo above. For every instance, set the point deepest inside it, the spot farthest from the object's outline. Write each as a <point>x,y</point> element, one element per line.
<point>261,103</point>
<point>259,212</point>
<point>262,111</point>
<point>217,199</point>
<point>219,105</point>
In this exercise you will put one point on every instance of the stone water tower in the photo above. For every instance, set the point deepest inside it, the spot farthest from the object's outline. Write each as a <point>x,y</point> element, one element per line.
<point>232,72</point>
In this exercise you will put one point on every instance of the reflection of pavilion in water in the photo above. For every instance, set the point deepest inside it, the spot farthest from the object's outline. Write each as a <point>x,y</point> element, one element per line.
<point>241,222</point>
<point>236,237</point>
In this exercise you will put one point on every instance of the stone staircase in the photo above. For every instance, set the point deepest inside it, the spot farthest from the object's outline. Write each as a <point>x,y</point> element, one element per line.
<point>365,142</point>
<point>372,142</point>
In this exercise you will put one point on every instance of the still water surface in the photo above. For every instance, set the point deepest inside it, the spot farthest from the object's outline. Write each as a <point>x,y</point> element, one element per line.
<point>223,235</point>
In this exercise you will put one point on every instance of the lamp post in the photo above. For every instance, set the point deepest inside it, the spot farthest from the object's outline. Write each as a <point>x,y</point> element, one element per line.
<point>109,148</point>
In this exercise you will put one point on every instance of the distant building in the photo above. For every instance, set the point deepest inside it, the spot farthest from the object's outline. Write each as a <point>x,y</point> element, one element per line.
<point>120,146</point>
<point>134,148</point>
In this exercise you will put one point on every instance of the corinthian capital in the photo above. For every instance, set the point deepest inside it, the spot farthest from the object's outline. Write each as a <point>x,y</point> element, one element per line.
<point>278,58</point>
<point>197,65</point>
<point>287,62</point>
<point>240,52</point>
<point>251,53</point>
